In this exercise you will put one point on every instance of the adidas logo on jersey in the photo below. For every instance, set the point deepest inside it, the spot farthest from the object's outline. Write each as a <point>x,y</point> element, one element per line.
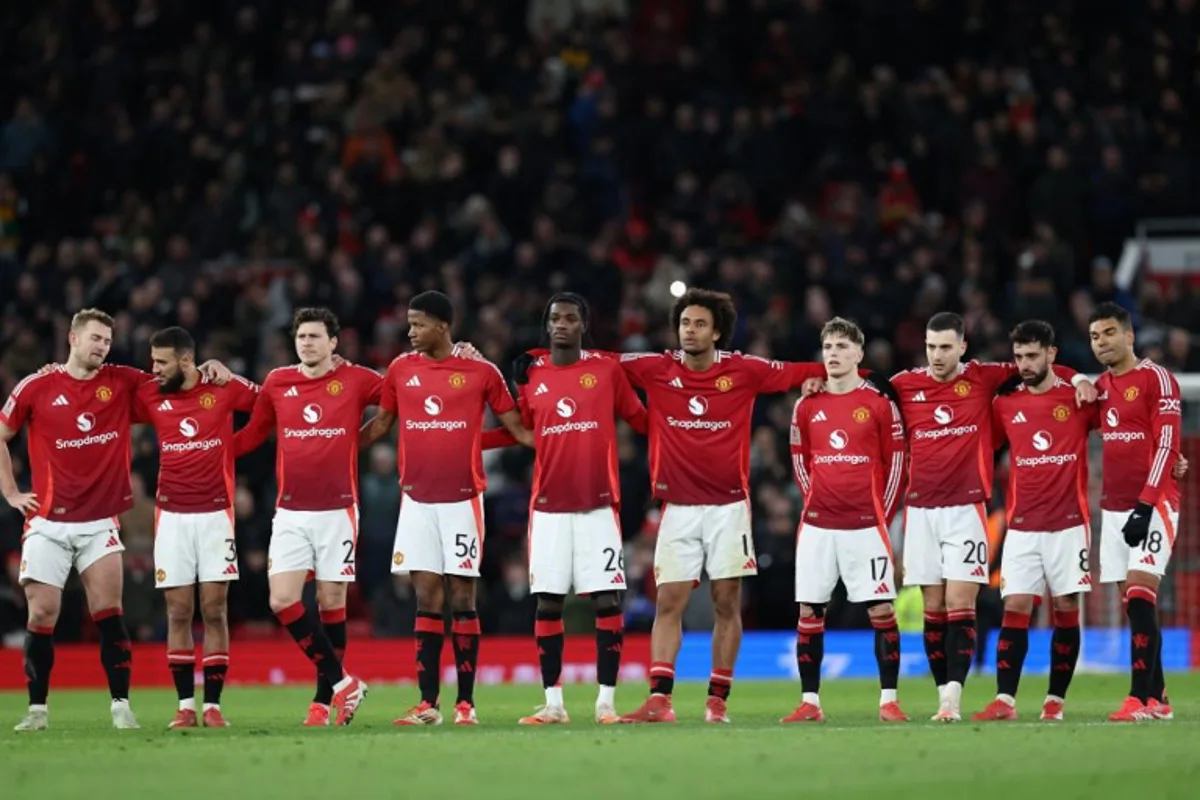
<point>619,579</point>
<point>919,397</point>
<point>61,400</point>
<point>413,381</point>
<point>165,405</point>
<point>882,588</point>
<point>1148,559</point>
<point>676,383</point>
<point>819,417</point>
<point>978,572</point>
<point>1020,417</point>
<point>291,392</point>
<point>540,390</point>
<point>466,564</point>
<point>348,571</point>
<point>230,570</point>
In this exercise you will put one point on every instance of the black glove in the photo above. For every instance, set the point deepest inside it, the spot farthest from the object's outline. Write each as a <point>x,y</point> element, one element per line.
<point>520,367</point>
<point>1009,386</point>
<point>884,386</point>
<point>1137,527</point>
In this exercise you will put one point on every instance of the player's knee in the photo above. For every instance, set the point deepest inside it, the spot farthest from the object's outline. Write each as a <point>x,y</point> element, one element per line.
<point>214,612</point>
<point>281,601</point>
<point>462,599</point>
<point>727,606</point>
<point>606,601</point>
<point>813,611</point>
<point>960,595</point>
<point>550,604</point>
<point>935,599</point>
<point>1066,603</point>
<point>1018,604</point>
<point>881,609</point>
<point>179,614</point>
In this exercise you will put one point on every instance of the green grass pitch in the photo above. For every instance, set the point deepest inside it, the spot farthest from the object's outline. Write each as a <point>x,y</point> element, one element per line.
<point>267,754</point>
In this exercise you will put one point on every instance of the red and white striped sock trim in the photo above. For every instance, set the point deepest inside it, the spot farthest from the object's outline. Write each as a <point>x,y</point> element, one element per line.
<point>662,669</point>
<point>960,615</point>
<point>721,676</point>
<point>181,657</point>
<point>811,625</point>
<point>1141,593</point>
<point>883,623</point>
<point>220,659</point>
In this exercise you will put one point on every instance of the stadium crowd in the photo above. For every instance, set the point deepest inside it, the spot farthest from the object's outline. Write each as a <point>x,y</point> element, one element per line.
<point>217,165</point>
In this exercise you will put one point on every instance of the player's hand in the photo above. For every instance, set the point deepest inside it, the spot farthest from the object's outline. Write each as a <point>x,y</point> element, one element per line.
<point>1137,527</point>
<point>47,368</point>
<point>1010,386</point>
<point>884,386</point>
<point>1085,392</point>
<point>25,502</point>
<point>338,361</point>
<point>1180,468</point>
<point>520,367</point>
<point>468,350</point>
<point>216,372</point>
<point>812,386</point>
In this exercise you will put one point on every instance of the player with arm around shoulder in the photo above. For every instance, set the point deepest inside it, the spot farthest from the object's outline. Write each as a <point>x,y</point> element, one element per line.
<point>1140,427</point>
<point>848,457</point>
<point>569,397</point>
<point>440,399</point>
<point>947,409</point>
<point>194,541</point>
<point>1048,541</point>
<point>315,408</point>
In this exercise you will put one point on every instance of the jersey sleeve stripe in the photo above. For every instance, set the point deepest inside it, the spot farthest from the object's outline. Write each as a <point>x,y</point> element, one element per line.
<point>801,473</point>
<point>29,379</point>
<point>1165,379</point>
<point>893,484</point>
<point>1160,458</point>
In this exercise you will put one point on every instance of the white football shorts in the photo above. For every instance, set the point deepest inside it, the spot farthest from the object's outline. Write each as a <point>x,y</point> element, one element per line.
<point>712,538</point>
<point>577,549</point>
<point>194,548</point>
<point>862,558</point>
<point>945,544</point>
<point>1118,558</point>
<point>323,542</point>
<point>50,549</point>
<point>1033,561</point>
<point>442,538</point>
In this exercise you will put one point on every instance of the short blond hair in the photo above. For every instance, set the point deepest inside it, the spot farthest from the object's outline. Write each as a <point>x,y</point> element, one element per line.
<point>845,328</point>
<point>86,315</point>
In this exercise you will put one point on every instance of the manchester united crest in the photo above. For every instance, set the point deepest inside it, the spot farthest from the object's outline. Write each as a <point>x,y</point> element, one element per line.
<point>458,380</point>
<point>1062,413</point>
<point>861,414</point>
<point>207,401</point>
<point>24,566</point>
<point>103,394</point>
<point>334,388</point>
<point>160,575</point>
<point>724,383</point>
<point>398,559</point>
<point>587,380</point>
<point>962,388</point>
<point>1131,394</point>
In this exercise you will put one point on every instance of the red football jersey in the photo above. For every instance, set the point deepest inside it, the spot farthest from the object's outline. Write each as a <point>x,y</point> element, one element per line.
<point>195,429</point>
<point>79,448</point>
<point>440,407</point>
<point>1048,470</point>
<point>700,421</point>
<point>848,458</point>
<point>316,421</point>
<point>949,425</point>
<point>571,413</point>
<point>1141,413</point>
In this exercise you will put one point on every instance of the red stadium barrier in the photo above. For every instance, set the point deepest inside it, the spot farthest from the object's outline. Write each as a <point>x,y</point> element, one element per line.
<point>503,659</point>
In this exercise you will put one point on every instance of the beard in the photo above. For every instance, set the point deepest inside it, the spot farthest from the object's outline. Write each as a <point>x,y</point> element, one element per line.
<point>1036,378</point>
<point>172,385</point>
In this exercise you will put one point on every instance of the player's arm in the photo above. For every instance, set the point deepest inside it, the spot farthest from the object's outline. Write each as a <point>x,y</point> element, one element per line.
<point>245,394</point>
<point>799,450</point>
<point>381,424</point>
<point>503,437</point>
<point>629,405</point>
<point>999,433</point>
<point>260,426</point>
<point>501,402</point>
<point>1003,377</point>
<point>374,383</point>
<point>891,435</point>
<point>25,502</point>
<point>1166,423</point>
<point>639,368</point>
